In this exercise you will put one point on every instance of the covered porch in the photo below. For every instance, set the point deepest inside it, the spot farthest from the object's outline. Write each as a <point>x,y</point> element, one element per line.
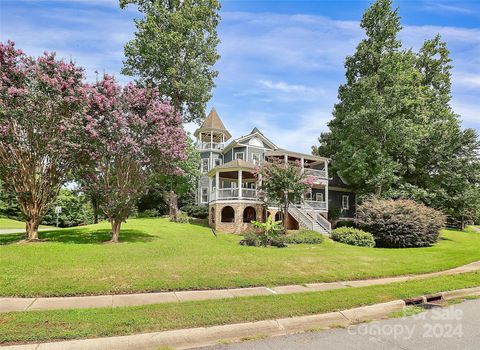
<point>234,180</point>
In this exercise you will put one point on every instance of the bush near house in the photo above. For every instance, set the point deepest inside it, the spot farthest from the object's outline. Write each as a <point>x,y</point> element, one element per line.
<point>400,223</point>
<point>353,236</point>
<point>196,211</point>
<point>303,237</point>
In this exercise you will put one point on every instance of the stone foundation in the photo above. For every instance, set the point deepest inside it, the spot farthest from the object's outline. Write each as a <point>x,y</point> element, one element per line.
<point>237,225</point>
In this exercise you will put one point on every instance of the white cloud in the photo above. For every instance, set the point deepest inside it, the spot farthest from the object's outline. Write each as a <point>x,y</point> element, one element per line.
<point>279,72</point>
<point>283,86</point>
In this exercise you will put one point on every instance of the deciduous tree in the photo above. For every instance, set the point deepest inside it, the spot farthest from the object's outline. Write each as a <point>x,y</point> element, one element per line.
<point>282,183</point>
<point>42,102</point>
<point>174,49</point>
<point>131,134</point>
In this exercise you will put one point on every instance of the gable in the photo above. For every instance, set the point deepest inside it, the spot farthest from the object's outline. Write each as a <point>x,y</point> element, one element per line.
<point>256,140</point>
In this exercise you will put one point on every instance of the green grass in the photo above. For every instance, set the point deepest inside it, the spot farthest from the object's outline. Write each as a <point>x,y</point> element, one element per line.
<point>6,224</point>
<point>88,323</point>
<point>157,255</point>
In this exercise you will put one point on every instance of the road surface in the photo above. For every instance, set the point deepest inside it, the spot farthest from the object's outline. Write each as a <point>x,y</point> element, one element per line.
<point>453,327</point>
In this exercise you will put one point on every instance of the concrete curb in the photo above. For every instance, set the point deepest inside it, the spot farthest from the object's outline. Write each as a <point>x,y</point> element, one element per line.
<point>461,293</point>
<point>102,301</point>
<point>198,337</point>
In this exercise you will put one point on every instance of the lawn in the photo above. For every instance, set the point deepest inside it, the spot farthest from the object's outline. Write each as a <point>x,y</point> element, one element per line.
<point>88,323</point>
<point>6,224</point>
<point>157,255</point>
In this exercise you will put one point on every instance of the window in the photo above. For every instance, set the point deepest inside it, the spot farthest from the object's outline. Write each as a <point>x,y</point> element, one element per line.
<point>204,197</point>
<point>319,197</point>
<point>345,202</point>
<point>204,165</point>
<point>240,155</point>
<point>218,162</point>
<point>256,158</point>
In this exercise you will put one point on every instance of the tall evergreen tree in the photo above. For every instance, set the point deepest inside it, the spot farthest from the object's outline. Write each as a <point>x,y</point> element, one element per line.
<point>394,132</point>
<point>174,49</point>
<point>375,125</point>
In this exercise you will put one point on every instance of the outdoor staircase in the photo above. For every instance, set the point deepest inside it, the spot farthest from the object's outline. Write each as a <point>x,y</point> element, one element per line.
<point>310,218</point>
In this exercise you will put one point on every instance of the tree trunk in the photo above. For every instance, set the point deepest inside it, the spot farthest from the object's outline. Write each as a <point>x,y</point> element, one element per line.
<point>95,209</point>
<point>32,228</point>
<point>378,190</point>
<point>115,230</point>
<point>173,206</point>
<point>284,219</point>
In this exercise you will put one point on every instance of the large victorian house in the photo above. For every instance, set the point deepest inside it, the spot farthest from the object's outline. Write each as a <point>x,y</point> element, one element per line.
<point>230,189</point>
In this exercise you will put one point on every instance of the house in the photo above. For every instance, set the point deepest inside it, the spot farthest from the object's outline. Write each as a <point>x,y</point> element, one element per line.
<point>229,188</point>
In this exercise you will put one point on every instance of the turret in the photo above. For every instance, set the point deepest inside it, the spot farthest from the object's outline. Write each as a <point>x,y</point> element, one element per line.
<point>212,135</point>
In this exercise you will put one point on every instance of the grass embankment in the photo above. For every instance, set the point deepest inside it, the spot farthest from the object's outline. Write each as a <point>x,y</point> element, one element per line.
<point>157,255</point>
<point>75,324</point>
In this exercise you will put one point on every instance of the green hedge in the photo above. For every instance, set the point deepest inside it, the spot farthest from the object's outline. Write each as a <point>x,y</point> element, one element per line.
<point>353,236</point>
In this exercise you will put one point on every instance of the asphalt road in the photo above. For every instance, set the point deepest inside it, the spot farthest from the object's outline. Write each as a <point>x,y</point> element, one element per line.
<point>453,327</point>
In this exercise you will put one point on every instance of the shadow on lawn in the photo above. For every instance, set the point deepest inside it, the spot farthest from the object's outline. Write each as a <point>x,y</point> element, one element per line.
<point>81,236</point>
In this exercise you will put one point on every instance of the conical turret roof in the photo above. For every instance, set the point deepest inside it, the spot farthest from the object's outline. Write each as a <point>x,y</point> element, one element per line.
<point>213,123</point>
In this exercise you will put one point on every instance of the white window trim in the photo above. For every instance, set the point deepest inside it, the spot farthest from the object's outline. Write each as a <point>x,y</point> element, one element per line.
<point>242,153</point>
<point>346,207</point>
<point>319,195</point>
<point>255,161</point>
<point>201,194</point>
<point>220,161</point>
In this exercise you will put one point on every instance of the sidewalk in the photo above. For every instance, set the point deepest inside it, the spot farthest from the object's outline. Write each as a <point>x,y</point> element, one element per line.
<point>208,336</point>
<point>8,304</point>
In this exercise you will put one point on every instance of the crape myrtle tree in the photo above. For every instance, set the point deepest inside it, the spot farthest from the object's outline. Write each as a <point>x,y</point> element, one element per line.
<point>131,133</point>
<point>42,101</point>
<point>174,49</point>
<point>282,183</point>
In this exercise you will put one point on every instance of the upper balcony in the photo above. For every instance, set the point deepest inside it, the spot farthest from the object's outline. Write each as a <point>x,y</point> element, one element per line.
<point>314,166</point>
<point>210,146</point>
<point>316,173</point>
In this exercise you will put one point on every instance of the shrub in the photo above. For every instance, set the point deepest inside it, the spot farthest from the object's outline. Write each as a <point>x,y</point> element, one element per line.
<point>345,223</point>
<point>251,239</point>
<point>303,237</point>
<point>353,236</point>
<point>196,211</point>
<point>334,213</point>
<point>183,218</point>
<point>400,223</point>
<point>149,213</point>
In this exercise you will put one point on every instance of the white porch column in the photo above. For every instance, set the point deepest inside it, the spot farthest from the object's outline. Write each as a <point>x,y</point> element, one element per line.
<point>211,139</point>
<point>210,188</point>
<point>303,162</point>
<point>286,158</point>
<point>326,197</point>
<point>239,184</point>
<point>217,184</point>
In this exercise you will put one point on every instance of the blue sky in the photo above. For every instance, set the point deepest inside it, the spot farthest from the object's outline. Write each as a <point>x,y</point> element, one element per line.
<point>282,61</point>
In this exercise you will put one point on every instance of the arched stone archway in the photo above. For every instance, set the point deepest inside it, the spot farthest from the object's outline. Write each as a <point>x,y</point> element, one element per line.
<point>228,214</point>
<point>249,214</point>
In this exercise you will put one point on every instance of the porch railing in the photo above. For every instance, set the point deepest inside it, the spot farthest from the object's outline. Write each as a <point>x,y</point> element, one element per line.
<point>317,205</point>
<point>316,173</point>
<point>210,145</point>
<point>234,193</point>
